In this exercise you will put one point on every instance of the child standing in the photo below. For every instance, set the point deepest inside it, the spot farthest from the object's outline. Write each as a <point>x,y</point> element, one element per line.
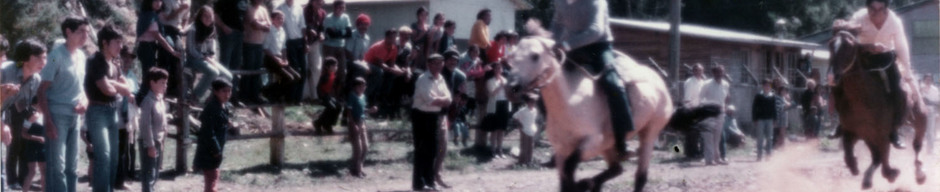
<point>764,112</point>
<point>527,117</point>
<point>729,131</point>
<point>497,109</point>
<point>324,124</point>
<point>357,129</point>
<point>35,148</point>
<point>152,124</point>
<point>460,112</point>
<point>211,142</point>
<point>128,122</point>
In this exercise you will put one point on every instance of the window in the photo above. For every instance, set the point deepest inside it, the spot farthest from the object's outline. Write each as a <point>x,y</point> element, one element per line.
<point>926,28</point>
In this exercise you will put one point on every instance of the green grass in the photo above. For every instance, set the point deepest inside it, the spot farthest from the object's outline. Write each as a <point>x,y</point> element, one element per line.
<point>322,160</point>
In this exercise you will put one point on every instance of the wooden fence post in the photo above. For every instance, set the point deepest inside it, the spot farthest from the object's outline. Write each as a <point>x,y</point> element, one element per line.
<point>182,129</point>
<point>277,141</point>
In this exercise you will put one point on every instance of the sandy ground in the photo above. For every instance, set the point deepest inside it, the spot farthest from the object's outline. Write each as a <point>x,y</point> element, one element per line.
<point>799,167</point>
<point>319,164</point>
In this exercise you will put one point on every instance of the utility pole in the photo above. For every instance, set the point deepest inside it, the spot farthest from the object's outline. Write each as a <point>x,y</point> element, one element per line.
<point>675,18</point>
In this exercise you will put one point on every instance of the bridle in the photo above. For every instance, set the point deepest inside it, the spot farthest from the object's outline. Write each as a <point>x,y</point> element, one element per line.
<point>848,39</point>
<point>882,71</point>
<point>548,75</point>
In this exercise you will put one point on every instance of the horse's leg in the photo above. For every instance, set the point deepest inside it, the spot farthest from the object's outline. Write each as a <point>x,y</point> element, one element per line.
<point>848,147</point>
<point>920,130</point>
<point>884,151</point>
<point>647,138</point>
<point>614,169</point>
<point>875,162</point>
<point>568,164</point>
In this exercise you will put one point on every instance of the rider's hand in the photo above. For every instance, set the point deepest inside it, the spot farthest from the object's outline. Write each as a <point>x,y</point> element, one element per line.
<point>879,48</point>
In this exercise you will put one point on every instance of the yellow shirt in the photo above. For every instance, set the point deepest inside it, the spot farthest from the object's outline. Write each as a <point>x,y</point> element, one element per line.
<point>480,34</point>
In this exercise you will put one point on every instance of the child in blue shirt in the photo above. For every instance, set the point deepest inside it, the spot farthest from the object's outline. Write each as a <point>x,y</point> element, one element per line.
<point>356,104</point>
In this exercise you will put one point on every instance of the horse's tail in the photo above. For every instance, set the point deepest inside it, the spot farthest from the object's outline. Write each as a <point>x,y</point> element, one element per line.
<point>684,117</point>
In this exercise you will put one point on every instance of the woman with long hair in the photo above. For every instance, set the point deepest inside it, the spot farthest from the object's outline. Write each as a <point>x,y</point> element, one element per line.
<point>202,51</point>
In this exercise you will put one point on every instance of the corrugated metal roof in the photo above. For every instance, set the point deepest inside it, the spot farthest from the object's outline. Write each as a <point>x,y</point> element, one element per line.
<point>712,33</point>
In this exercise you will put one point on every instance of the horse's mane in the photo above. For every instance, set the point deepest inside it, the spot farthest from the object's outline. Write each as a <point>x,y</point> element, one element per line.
<point>534,28</point>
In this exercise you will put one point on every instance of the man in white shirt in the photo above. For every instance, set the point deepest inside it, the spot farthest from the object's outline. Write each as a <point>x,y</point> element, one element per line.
<point>714,91</point>
<point>294,26</point>
<point>692,90</point>
<point>427,119</point>
<point>693,86</point>
<point>881,34</point>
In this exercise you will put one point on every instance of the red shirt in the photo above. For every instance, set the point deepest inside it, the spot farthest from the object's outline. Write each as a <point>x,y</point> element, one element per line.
<point>326,87</point>
<point>494,53</point>
<point>379,53</point>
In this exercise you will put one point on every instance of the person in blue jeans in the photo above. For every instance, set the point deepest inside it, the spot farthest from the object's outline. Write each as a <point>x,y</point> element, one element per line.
<point>153,123</point>
<point>459,125</point>
<point>202,51</point>
<point>231,14</point>
<point>105,87</point>
<point>19,83</point>
<point>62,103</point>
<point>764,112</point>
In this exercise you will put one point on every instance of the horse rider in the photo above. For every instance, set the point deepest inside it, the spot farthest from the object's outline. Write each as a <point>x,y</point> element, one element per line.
<point>583,30</point>
<point>882,35</point>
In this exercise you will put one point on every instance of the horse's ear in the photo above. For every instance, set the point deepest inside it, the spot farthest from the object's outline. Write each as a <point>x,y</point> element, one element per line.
<point>534,28</point>
<point>557,53</point>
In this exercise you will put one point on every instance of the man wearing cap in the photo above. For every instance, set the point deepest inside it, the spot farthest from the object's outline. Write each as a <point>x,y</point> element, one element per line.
<point>430,97</point>
<point>356,47</point>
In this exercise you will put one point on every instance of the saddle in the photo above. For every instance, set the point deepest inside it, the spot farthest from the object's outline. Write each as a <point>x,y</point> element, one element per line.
<point>623,65</point>
<point>882,64</point>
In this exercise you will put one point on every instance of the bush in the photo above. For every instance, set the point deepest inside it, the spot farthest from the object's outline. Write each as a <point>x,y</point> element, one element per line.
<point>24,19</point>
<point>32,19</point>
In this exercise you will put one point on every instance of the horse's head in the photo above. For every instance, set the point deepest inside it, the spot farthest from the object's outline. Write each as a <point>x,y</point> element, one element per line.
<point>844,51</point>
<point>534,63</point>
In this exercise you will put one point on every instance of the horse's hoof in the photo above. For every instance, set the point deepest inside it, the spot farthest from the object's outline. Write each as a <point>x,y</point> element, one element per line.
<point>921,177</point>
<point>586,185</point>
<point>891,174</point>
<point>854,171</point>
<point>866,185</point>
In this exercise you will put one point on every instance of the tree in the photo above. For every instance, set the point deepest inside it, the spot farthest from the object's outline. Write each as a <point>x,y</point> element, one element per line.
<point>24,19</point>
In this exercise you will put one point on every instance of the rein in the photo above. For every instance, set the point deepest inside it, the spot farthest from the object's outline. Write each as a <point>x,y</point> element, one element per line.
<point>881,71</point>
<point>583,70</point>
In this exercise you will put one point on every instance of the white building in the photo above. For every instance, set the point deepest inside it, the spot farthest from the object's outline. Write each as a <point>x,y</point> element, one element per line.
<point>388,14</point>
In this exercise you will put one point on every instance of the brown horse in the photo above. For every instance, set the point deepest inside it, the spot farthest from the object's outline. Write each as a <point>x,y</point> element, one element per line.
<point>870,109</point>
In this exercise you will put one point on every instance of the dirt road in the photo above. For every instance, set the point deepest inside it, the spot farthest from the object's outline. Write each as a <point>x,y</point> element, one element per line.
<point>808,166</point>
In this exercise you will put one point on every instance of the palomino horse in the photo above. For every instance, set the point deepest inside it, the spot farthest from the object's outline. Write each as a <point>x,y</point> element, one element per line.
<point>868,110</point>
<point>578,118</point>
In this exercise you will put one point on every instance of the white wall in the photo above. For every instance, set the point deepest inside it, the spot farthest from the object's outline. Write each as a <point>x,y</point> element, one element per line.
<point>464,13</point>
<point>387,15</point>
<point>384,16</point>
